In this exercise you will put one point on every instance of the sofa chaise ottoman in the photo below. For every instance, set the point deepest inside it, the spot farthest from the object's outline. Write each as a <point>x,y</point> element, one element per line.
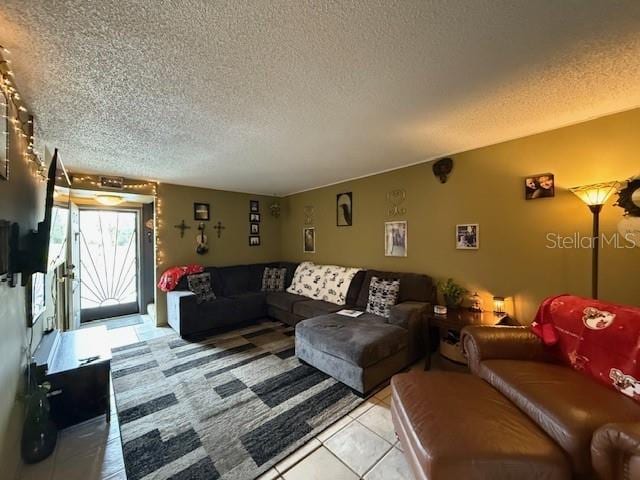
<point>455,426</point>
<point>365,351</point>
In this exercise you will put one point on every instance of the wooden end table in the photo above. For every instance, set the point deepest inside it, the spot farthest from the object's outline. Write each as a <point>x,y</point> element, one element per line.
<point>77,364</point>
<point>451,324</point>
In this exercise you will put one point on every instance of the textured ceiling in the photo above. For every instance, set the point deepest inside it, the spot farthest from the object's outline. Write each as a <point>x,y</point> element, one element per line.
<point>281,96</point>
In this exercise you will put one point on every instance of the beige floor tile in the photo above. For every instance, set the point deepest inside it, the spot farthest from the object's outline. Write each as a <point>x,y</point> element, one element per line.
<point>298,455</point>
<point>119,337</point>
<point>398,445</point>
<point>335,428</point>
<point>378,419</point>
<point>358,447</point>
<point>269,475</point>
<point>101,464</point>
<point>384,393</point>
<point>393,466</point>
<point>87,437</point>
<point>39,471</point>
<point>147,333</point>
<point>320,465</point>
<point>121,475</point>
<point>363,408</point>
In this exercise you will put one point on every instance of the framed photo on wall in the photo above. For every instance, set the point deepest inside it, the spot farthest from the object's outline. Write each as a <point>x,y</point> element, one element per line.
<point>468,236</point>
<point>254,218</point>
<point>344,209</point>
<point>254,228</point>
<point>254,206</point>
<point>540,186</point>
<point>201,212</point>
<point>309,240</point>
<point>254,241</point>
<point>395,239</point>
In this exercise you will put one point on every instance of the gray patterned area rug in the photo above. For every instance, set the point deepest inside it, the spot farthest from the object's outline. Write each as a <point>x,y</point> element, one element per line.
<point>229,407</point>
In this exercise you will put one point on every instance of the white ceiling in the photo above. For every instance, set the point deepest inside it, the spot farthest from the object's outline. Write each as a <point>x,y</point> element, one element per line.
<point>280,96</point>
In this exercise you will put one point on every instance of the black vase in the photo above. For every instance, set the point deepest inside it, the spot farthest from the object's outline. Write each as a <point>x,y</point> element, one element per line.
<point>39,433</point>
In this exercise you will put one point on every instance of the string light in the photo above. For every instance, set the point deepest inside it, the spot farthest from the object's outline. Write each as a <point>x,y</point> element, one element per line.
<point>22,128</point>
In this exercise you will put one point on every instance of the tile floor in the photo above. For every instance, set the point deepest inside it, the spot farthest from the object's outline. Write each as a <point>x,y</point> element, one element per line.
<point>361,445</point>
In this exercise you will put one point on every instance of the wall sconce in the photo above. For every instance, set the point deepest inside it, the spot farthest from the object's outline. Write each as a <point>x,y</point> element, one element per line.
<point>595,196</point>
<point>275,209</point>
<point>498,307</point>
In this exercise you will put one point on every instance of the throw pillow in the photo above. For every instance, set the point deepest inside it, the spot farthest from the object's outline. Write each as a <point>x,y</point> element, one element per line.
<point>335,284</point>
<point>273,279</point>
<point>304,279</point>
<point>200,284</point>
<point>383,294</point>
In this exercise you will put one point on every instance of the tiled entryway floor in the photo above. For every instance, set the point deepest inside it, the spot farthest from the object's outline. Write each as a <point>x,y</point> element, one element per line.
<point>362,445</point>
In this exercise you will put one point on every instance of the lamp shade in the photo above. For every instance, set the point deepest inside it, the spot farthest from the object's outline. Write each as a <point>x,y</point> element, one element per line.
<point>596,194</point>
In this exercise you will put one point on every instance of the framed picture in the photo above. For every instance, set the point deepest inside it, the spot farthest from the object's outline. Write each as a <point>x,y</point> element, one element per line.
<point>309,240</point>
<point>254,241</point>
<point>344,209</point>
<point>4,136</point>
<point>468,236</point>
<point>254,206</point>
<point>254,228</point>
<point>201,212</point>
<point>395,239</point>
<point>254,218</point>
<point>540,186</point>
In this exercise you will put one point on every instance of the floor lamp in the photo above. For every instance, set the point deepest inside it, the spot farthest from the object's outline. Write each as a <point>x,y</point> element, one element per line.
<point>595,196</point>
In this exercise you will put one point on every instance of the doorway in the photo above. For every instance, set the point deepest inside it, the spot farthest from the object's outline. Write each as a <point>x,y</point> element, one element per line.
<point>109,263</point>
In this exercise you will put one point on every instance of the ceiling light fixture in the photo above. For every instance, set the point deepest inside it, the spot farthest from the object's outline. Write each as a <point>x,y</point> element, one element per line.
<point>109,200</point>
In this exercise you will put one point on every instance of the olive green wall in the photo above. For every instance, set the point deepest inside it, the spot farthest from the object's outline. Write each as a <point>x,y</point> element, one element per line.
<point>22,201</point>
<point>486,187</point>
<point>175,203</point>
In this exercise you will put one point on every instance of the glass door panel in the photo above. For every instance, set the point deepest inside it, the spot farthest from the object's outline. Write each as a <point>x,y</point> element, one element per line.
<point>108,263</point>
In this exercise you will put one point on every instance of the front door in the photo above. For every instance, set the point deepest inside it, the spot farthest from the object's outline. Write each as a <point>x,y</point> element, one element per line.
<point>73,284</point>
<point>108,263</point>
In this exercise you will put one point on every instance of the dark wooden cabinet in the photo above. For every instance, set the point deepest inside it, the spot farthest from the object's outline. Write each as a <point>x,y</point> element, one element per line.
<point>77,364</point>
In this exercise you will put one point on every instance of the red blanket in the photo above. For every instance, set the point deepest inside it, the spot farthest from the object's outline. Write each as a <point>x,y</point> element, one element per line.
<point>598,338</point>
<point>170,278</point>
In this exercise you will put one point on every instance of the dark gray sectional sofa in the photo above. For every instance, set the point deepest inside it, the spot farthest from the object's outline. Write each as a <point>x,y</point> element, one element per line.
<point>361,352</point>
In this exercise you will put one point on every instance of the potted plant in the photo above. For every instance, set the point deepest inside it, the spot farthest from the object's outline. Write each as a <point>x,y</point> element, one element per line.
<point>452,292</point>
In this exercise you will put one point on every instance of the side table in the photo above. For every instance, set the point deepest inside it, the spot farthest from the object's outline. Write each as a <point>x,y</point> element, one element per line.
<point>77,364</point>
<point>450,325</point>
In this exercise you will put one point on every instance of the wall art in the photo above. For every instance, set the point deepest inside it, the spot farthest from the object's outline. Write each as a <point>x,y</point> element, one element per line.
<point>468,236</point>
<point>201,212</point>
<point>254,206</point>
<point>629,198</point>
<point>309,240</point>
<point>308,214</point>
<point>539,186</point>
<point>254,241</point>
<point>395,239</point>
<point>344,209</point>
<point>396,198</point>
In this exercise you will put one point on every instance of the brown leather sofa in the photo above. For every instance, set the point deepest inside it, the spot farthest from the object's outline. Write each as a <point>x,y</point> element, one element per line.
<point>518,396</point>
